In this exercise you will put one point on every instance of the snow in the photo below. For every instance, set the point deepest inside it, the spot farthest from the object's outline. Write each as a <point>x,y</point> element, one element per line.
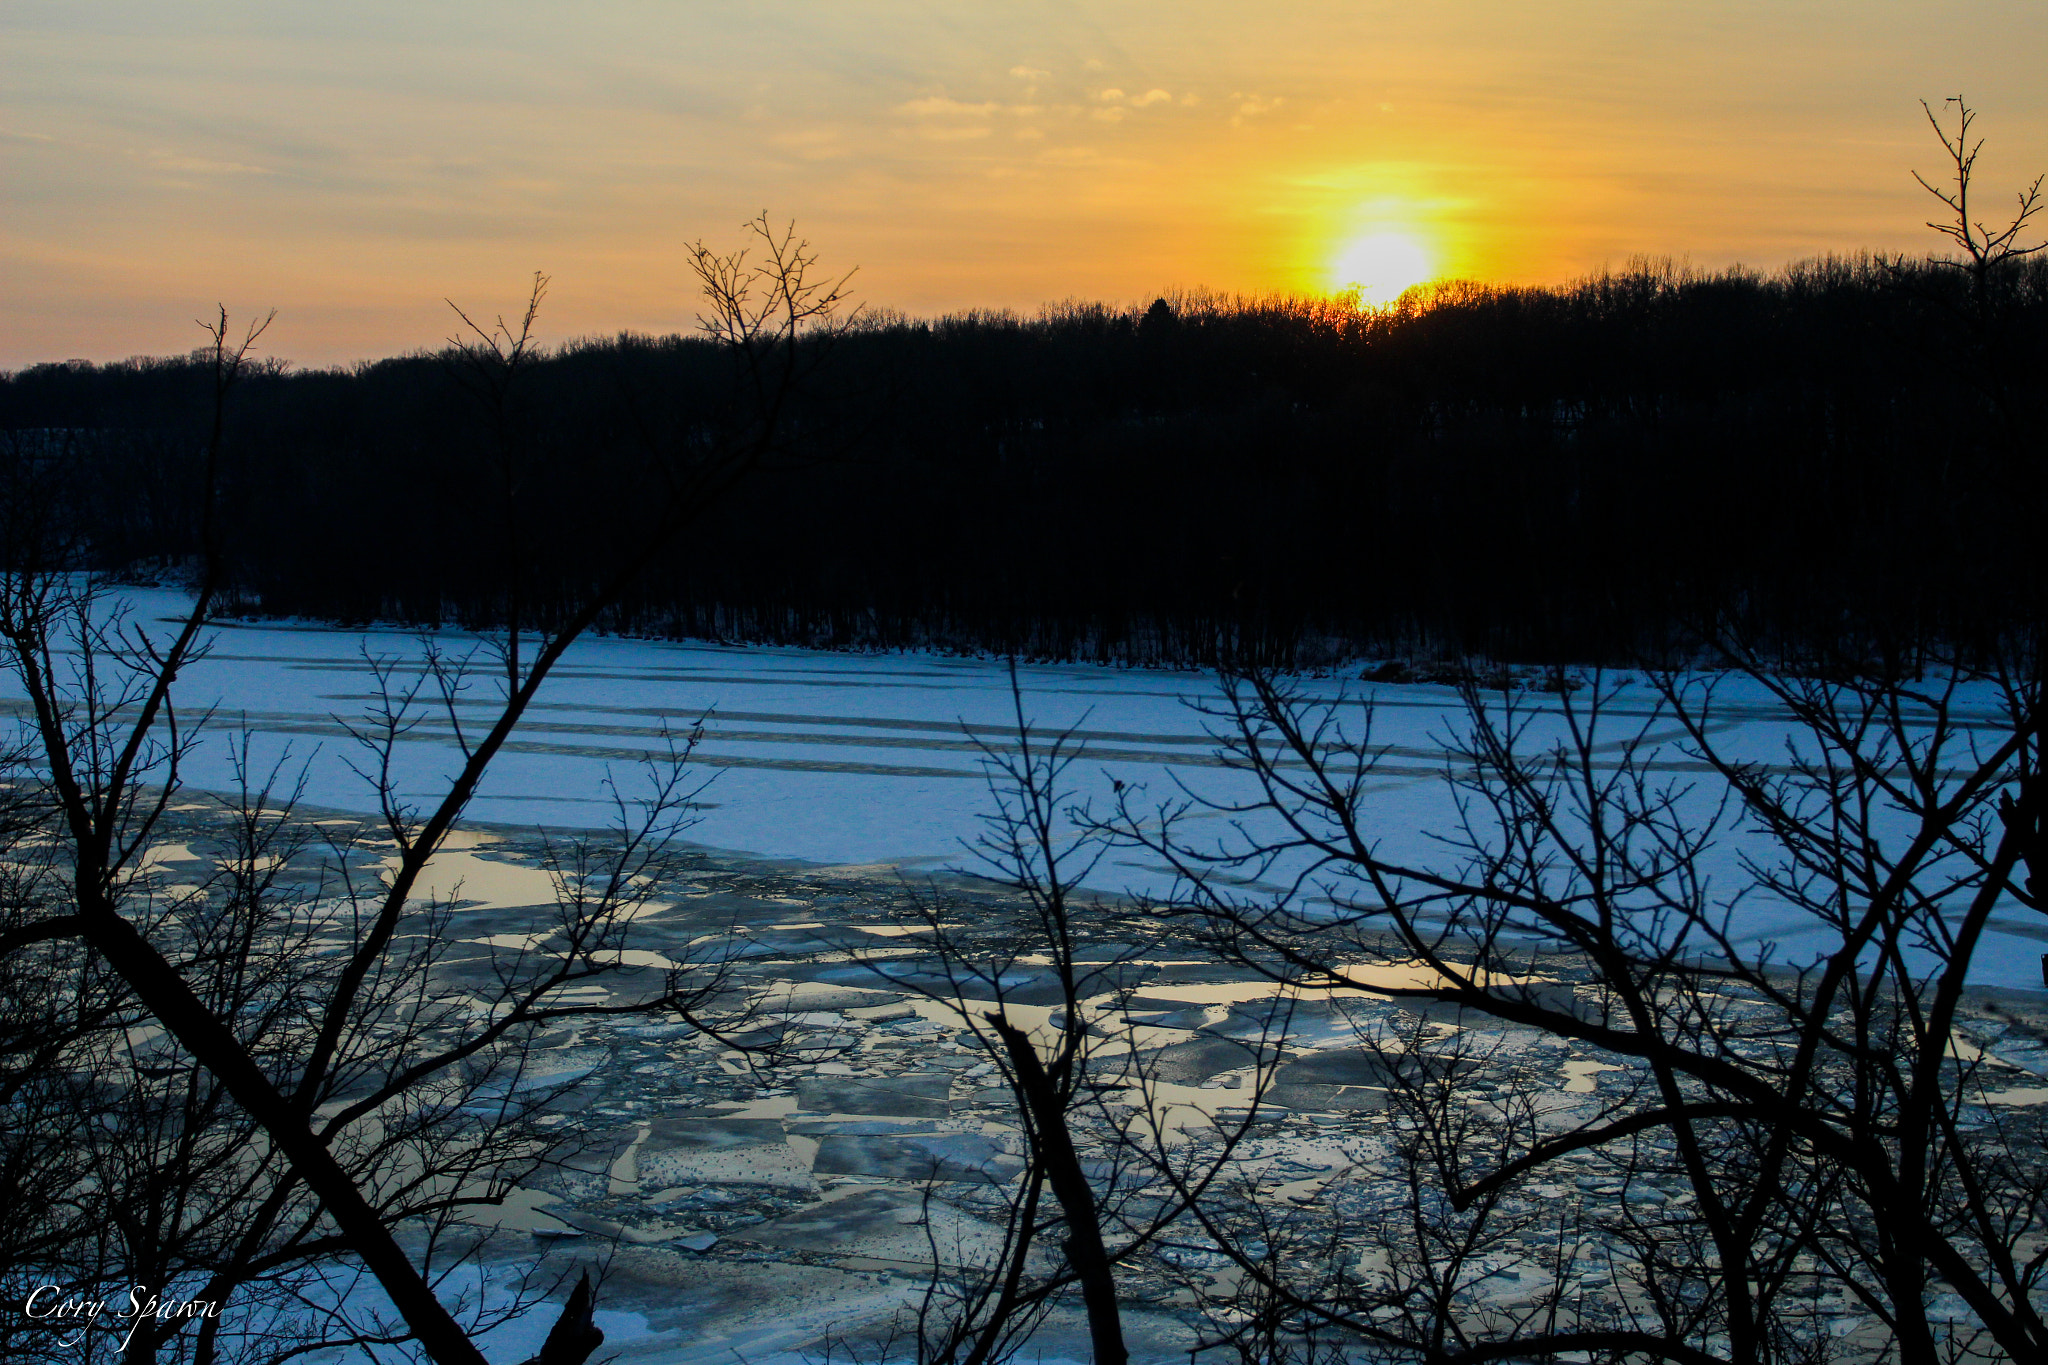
<point>858,759</point>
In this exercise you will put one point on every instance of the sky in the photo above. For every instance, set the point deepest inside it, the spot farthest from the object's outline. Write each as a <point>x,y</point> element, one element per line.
<point>356,164</point>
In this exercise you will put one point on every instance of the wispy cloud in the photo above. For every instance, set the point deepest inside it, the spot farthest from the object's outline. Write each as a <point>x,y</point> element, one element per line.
<point>1254,106</point>
<point>200,165</point>
<point>940,106</point>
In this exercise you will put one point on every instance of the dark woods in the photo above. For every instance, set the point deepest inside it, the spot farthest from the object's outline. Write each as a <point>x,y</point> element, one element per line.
<point>1846,446</point>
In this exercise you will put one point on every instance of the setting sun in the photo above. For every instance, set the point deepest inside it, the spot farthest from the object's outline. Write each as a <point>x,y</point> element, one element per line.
<point>1382,264</point>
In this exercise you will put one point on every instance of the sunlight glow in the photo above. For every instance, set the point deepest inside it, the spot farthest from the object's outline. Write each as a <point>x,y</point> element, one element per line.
<point>1382,264</point>
<point>160,158</point>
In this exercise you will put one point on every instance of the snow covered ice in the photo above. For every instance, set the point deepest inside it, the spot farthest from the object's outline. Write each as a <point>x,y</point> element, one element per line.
<point>844,759</point>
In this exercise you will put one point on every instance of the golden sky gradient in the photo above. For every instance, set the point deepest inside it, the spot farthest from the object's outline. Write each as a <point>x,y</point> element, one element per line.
<point>352,163</point>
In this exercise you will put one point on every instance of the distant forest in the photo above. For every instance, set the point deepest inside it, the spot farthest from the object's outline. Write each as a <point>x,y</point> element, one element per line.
<point>1845,449</point>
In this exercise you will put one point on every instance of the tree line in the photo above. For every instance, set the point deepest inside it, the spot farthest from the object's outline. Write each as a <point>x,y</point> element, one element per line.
<point>1845,446</point>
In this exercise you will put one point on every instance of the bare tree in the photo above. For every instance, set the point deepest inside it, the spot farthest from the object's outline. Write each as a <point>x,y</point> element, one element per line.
<point>1990,253</point>
<point>1986,247</point>
<point>150,1174</point>
<point>349,1128</point>
<point>1831,1136</point>
<point>1111,1166</point>
<point>174,1193</point>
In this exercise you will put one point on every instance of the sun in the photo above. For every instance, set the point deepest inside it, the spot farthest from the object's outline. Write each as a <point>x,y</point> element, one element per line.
<point>1382,264</point>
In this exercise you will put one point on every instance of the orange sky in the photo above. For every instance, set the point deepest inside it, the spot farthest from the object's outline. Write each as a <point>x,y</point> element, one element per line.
<point>351,164</point>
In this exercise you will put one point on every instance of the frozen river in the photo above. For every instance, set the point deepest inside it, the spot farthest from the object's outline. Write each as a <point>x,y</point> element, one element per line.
<point>850,759</point>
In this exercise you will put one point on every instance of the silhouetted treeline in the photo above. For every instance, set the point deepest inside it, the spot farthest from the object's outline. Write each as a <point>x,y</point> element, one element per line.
<point>1843,447</point>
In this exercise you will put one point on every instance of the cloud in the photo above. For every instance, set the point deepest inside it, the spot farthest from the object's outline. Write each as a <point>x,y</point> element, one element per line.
<point>812,144</point>
<point>171,161</point>
<point>939,106</point>
<point>1120,103</point>
<point>1029,73</point>
<point>1252,106</point>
